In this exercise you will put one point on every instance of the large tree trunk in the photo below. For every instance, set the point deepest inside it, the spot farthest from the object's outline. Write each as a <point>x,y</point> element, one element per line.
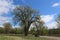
<point>26,28</point>
<point>25,31</point>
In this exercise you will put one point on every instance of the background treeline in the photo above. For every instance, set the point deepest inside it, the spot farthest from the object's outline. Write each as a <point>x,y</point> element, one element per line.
<point>8,29</point>
<point>54,32</point>
<point>11,31</point>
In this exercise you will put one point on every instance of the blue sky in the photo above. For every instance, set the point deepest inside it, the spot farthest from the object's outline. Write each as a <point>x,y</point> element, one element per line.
<point>47,8</point>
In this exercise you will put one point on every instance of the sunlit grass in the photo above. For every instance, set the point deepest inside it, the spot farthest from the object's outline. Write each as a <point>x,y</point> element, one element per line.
<point>6,38</point>
<point>18,37</point>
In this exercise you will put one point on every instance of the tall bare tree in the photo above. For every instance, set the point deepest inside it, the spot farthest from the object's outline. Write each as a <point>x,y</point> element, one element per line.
<point>25,15</point>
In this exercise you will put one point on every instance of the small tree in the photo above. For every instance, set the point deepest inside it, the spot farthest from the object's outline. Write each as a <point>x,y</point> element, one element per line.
<point>7,27</point>
<point>32,31</point>
<point>38,24</point>
<point>1,30</point>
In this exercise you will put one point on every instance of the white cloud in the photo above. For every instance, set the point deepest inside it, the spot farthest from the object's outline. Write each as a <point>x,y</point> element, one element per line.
<point>56,5</point>
<point>5,6</point>
<point>4,19</point>
<point>49,20</point>
<point>52,24</point>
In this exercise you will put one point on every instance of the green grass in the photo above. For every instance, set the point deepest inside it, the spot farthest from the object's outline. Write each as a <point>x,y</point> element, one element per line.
<point>20,37</point>
<point>5,38</point>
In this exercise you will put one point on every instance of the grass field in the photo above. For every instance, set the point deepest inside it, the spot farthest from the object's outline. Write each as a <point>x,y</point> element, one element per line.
<point>14,37</point>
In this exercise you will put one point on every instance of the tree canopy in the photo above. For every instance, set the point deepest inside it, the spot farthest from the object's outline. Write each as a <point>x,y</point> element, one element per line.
<point>25,15</point>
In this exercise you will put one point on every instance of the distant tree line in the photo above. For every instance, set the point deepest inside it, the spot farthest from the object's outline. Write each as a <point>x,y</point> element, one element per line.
<point>8,29</point>
<point>54,32</point>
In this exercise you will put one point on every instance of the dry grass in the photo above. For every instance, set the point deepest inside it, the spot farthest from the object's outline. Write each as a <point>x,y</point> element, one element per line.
<point>29,37</point>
